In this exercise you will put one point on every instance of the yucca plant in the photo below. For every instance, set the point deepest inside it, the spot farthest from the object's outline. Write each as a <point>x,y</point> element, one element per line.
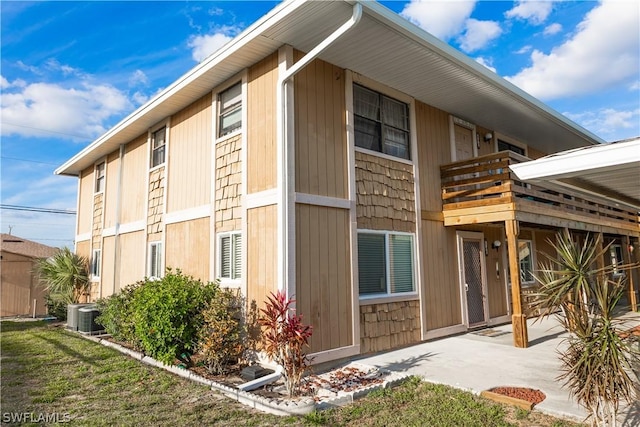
<point>598,363</point>
<point>65,276</point>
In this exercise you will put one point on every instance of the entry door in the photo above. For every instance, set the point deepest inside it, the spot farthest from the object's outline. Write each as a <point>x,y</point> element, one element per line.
<point>472,277</point>
<point>463,143</point>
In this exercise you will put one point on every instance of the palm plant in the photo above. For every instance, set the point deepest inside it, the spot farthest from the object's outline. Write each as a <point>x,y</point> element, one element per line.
<point>598,363</point>
<point>65,276</point>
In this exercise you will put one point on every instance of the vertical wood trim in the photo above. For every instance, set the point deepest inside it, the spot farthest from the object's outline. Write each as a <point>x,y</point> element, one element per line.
<point>145,250</point>
<point>213,177</point>
<point>163,239</point>
<point>243,187</point>
<point>519,320</point>
<point>353,217</point>
<point>280,153</point>
<point>290,254</point>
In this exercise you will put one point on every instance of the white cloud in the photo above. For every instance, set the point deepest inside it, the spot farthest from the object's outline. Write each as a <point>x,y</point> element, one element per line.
<point>203,46</point>
<point>635,85</point>
<point>138,78</point>
<point>524,49</point>
<point>600,55</point>
<point>4,83</point>
<point>442,19</point>
<point>81,111</point>
<point>552,29</point>
<point>487,62</point>
<point>478,34</point>
<point>534,12</point>
<point>610,123</point>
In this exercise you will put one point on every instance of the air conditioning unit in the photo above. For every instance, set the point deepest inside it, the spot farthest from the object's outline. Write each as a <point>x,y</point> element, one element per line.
<point>72,315</point>
<point>87,320</point>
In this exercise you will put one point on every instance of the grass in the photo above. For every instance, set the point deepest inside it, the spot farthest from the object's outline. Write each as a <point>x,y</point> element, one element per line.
<point>47,370</point>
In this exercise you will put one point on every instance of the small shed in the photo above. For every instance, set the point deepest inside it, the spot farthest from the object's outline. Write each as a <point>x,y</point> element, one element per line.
<point>20,294</point>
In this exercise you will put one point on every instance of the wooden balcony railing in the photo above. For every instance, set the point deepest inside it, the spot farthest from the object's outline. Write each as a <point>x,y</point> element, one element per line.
<point>487,183</point>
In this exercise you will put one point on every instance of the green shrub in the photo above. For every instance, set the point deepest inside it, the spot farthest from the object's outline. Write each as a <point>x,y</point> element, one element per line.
<point>222,336</point>
<point>116,315</point>
<point>167,315</point>
<point>56,309</point>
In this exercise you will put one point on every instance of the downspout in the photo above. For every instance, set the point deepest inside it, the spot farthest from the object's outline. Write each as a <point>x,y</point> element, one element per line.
<point>283,135</point>
<point>116,239</point>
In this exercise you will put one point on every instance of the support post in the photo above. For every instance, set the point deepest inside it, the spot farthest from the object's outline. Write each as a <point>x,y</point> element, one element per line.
<point>631,259</point>
<point>518,318</point>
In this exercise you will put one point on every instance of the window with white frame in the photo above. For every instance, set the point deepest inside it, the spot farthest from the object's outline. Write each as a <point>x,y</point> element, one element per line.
<point>381,123</point>
<point>230,117</point>
<point>95,263</point>
<point>385,263</point>
<point>525,259</point>
<point>158,145</point>
<point>615,253</point>
<point>100,171</point>
<point>230,256</point>
<point>155,260</point>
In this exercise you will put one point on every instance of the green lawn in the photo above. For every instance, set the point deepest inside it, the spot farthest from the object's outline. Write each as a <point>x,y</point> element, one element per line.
<point>48,371</point>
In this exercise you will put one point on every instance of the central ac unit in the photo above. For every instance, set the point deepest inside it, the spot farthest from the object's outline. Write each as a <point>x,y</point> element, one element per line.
<point>87,320</point>
<point>72,315</point>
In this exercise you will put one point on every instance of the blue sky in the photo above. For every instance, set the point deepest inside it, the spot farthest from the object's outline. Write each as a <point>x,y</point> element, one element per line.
<point>70,70</point>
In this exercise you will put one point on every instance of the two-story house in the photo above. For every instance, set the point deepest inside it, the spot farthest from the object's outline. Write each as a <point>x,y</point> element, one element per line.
<point>339,153</point>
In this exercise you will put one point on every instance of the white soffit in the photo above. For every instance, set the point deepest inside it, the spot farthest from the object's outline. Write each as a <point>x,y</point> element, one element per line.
<point>611,171</point>
<point>383,47</point>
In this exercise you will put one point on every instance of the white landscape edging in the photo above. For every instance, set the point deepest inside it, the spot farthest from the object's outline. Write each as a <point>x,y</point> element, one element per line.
<point>275,406</point>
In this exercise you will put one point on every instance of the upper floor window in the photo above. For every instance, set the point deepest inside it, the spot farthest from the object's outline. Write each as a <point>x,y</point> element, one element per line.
<point>230,110</point>
<point>385,263</point>
<point>100,170</point>
<point>507,146</point>
<point>381,123</point>
<point>158,144</point>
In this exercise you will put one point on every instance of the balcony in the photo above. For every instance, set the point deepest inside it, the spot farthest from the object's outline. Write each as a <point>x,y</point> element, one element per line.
<point>484,190</point>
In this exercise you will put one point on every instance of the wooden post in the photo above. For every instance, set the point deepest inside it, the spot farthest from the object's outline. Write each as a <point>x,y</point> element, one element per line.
<point>633,294</point>
<point>518,318</point>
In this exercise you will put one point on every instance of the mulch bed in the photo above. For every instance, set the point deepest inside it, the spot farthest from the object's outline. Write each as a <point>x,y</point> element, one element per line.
<point>527,394</point>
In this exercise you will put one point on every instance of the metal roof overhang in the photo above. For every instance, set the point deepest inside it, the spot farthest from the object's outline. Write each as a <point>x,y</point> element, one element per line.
<point>383,47</point>
<point>610,172</point>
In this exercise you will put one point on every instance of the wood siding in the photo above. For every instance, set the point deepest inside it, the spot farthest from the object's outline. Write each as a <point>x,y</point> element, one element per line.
<point>134,180</point>
<point>187,247</point>
<point>107,274</point>
<point>495,274</point>
<point>84,248</point>
<point>228,196</point>
<point>85,205</point>
<point>189,157</point>
<point>440,288</point>
<point>320,133</point>
<point>385,194</point>
<point>389,325</point>
<point>98,211</point>
<point>261,126</point>
<point>131,258</point>
<point>434,149</point>
<point>156,203</point>
<point>323,275</point>
<point>262,253</point>
<point>111,190</point>
<point>19,286</point>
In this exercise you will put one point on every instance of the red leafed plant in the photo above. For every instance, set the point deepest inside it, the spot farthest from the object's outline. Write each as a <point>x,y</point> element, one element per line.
<point>284,338</point>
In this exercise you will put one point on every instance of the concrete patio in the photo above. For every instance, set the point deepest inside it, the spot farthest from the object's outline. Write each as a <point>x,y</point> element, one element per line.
<point>480,360</point>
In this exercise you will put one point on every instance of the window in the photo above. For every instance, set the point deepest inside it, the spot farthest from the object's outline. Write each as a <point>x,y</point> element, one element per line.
<point>230,110</point>
<point>155,260</point>
<point>381,123</point>
<point>230,256</point>
<point>615,253</point>
<point>95,263</point>
<point>525,258</point>
<point>385,263</point>
<point>158,143</point>
<point>506,146</point>
<point>100,177</point>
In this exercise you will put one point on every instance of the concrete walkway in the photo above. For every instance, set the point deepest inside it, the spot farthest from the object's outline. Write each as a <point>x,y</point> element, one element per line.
<point>480,360</point>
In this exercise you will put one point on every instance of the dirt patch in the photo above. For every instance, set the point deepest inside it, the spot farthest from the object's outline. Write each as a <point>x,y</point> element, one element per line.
<point>523,393</point>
